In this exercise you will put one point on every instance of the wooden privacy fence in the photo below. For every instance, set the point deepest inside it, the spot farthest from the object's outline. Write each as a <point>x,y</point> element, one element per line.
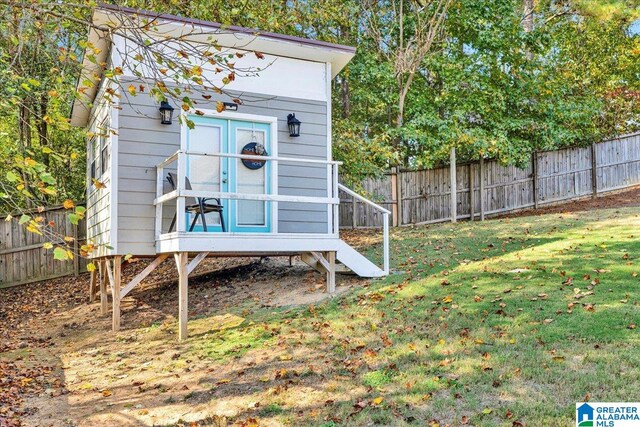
<point>22,256</point>
<point>487,188</point>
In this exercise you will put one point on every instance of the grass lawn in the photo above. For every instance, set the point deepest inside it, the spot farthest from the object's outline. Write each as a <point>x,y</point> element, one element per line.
<point>503,323</point>
<point>484,324</point>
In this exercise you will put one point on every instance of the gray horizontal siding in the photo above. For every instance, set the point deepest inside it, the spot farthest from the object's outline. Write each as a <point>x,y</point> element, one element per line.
<point>144,142</point>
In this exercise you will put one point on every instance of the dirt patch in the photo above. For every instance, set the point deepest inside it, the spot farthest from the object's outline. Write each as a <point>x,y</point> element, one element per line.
<point>627,198</point>
<point>61,366</point>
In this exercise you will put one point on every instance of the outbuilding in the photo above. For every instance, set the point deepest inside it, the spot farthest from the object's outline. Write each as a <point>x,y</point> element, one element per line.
<point>244,171</point>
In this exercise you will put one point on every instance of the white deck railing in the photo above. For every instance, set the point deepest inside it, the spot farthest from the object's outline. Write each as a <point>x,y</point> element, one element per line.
<point>385,224</point>
<point>180,192</point>
<point>332,199</point>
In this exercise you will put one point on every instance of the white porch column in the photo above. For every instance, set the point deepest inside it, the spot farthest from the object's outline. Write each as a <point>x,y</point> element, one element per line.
<point>182,260</point>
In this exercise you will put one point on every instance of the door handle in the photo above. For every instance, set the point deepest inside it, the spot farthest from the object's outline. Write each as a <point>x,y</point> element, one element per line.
<point>224,181</point>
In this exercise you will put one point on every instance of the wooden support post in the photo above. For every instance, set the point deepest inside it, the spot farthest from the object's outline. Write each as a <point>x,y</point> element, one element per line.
<point>331,271</point>
<point>394,197</point>
<point>93,284</point>
<point>103,287</point>
<point>115,292</point>
<point>472,193</point>
<point>182,260</point>
<point>196,261</point>
<point>482,195</point>
<point>142,275</point>
<point>454,190</point>
<point>594,171</point>
<point>534,174</point>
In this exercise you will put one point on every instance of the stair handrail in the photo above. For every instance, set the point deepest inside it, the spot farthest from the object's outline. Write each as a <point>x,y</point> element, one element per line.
<point>385,223</point>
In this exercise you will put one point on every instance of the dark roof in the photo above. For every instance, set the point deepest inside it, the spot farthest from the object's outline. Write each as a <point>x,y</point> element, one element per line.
<point>232,28</point>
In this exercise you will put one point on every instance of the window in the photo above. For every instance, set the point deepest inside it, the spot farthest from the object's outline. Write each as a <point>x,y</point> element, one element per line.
<point>99,153</point>
<point>104,157</point>
<point>93,158</point>
<point>104,147</point>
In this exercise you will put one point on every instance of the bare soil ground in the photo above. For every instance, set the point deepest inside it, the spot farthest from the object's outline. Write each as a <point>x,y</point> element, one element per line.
<point>61,366</point>
<point>621,199</point>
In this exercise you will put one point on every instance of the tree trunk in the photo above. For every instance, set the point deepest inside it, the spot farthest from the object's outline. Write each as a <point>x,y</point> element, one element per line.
<point>527,21</point>
<point>346,98</point>
<point>43,130</point>
<point>24,124</point>
<point>24,132</point>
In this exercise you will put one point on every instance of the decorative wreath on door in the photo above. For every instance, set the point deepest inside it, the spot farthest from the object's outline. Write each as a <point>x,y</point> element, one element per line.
<point>254,149</point>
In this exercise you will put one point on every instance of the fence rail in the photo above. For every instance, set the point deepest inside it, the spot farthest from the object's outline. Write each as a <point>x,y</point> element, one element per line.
<point>22,256</point>
<point>488,188</point>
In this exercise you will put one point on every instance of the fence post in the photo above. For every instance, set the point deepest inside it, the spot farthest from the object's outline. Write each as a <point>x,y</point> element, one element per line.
<point>354,207</point>
<point>454,192</point>
<point>472,196</point>
<point>394,197</point>
<point>76,252</point>
<point>399,194</point>
<point>482,195</point>
<point>594,171</point>
<point>534,168</point>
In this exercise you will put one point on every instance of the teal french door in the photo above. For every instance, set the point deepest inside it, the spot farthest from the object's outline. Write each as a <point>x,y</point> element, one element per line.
<point>230,175</point>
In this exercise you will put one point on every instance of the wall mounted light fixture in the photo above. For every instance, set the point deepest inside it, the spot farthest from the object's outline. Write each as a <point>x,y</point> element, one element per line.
<point>294,125</point>
<point>166,113</point>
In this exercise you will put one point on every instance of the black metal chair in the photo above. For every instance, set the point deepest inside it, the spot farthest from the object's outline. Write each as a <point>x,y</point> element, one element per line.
<point>199,206</point>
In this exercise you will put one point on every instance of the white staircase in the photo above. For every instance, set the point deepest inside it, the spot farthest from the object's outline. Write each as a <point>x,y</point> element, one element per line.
<point>356,262</point>
<point>347,259</point>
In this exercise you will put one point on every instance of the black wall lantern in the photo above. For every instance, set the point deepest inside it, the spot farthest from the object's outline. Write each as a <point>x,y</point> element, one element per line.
<point>230,106</point>
<point>294,125</point>
<point>166,113</point>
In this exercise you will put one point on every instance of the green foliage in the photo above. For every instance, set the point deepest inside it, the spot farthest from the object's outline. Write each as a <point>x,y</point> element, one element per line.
<point>42,155</point>
<point>492,89</point>
<point>483,83</point>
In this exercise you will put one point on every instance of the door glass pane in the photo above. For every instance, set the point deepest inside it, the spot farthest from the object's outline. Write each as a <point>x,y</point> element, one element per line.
<point>204,171</point>
<point>250,181</point>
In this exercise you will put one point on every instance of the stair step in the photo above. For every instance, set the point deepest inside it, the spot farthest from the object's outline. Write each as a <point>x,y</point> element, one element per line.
<point>348,261</point>
<point>357,262</point>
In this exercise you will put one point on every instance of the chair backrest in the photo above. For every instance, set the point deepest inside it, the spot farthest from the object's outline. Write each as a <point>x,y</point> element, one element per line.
<point>173,181</point>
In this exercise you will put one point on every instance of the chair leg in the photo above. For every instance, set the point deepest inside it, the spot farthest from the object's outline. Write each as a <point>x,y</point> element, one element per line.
<point>224,229</point>
<point>193,223</point>
<point>204,222</point>
<point>173,223</point>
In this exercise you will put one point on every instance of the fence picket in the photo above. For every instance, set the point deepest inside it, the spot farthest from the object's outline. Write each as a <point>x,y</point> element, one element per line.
<point>24,260</point>
<point>424,195</point>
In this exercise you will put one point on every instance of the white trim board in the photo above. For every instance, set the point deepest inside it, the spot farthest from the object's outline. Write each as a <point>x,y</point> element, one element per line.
<point>244,243</point>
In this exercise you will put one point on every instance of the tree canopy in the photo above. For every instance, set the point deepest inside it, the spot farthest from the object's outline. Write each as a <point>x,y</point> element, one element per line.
<point>492,78</point>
